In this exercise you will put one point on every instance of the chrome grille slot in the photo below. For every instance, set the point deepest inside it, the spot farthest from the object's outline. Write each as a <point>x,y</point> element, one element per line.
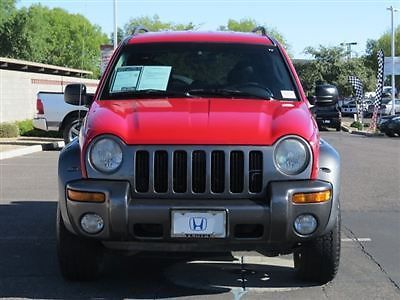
<point>180,171</point>
<point>161,171</point>
<point>255,171</point>
<point>236,172</point>
<point>217,171</point>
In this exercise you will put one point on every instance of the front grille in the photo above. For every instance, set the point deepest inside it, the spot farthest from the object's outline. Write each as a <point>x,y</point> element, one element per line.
<point>198,172</point>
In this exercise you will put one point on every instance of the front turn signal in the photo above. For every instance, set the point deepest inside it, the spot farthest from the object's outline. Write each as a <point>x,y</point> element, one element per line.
<point>85,196</point>
<point>317,197</point>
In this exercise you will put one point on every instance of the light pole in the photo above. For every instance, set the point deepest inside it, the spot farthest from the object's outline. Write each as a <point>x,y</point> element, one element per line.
<point>115,25</point>
<point>348,48</point>
<point>392,10</point>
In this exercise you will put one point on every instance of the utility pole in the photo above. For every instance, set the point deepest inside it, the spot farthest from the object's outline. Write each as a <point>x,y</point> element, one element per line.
<point>115,25</point>
<point>392,10</point>
<point>348,48</point>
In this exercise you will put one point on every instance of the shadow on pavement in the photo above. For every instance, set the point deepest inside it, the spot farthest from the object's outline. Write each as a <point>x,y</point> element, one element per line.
<point>29,267</point>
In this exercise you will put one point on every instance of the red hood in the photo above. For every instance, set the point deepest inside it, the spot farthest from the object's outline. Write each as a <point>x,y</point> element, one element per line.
<point>199,121</point>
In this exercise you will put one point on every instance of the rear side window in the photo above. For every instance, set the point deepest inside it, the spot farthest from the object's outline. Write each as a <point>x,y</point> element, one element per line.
<point>182,67</point>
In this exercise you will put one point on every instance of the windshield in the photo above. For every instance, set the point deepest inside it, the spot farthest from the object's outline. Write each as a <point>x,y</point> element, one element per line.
<point>200,70</point>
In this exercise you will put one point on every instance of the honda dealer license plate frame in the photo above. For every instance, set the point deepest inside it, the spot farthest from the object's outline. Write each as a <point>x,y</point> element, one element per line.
<point>191,223</point>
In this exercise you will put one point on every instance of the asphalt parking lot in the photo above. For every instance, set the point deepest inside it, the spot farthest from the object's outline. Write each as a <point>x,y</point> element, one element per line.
<point>370,261</point>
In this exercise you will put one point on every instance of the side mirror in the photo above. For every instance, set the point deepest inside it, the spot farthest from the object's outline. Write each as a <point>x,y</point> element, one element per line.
<point>75,94</point>
<point>311,100</point>
<point>326,94</point>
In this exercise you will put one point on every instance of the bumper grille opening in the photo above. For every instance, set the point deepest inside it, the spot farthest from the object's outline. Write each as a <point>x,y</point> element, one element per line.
<point>217,171</point>
<point>142,171</point>
<point>180,171</point>
<point>161,171</point>
<point>255,171</point>
<point>237,172</point>
<point>199,171</point>
<point>148,230</point>
<point>248,231</point>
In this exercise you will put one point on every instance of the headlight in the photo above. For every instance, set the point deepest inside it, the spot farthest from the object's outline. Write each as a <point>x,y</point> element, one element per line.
<point>291,156</point>
<point>106,155</point>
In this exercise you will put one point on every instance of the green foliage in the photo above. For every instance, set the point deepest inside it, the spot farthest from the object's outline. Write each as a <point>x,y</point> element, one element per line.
<point>357,124</point>
<point>330,65</point>
<point>8,130</point>
<point>52,36</point>
<point>155,24</point>
<point>7,9</point>
<point>248,24</point>
<point>25,126</point>
<point>26,129</point>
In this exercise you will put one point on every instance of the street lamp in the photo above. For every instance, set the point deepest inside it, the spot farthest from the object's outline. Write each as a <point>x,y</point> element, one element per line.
<point>392,10</point>
<point>115,25</point>
<point>348,47</point>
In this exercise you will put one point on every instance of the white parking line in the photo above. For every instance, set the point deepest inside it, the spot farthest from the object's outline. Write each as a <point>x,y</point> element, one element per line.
<point>356,240</point>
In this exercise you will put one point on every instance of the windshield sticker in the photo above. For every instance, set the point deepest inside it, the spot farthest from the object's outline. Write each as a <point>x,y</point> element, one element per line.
<point>154,77</point>
<point>125,79</point>
<point>288,94</point>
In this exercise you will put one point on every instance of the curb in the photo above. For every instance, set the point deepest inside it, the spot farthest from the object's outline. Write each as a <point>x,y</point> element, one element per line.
<point>31,149</point>
<point>364,133</point>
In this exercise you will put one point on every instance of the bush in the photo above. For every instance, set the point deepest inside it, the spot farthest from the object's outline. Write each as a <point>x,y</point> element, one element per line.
<point>356,124</point>
<point>8,130</point>
<point>26,129</point>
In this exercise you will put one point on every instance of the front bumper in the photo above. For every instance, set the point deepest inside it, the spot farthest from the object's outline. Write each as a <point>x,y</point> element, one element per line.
<point>145,224</point>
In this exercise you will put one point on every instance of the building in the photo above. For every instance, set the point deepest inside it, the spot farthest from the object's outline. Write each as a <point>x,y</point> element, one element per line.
<point>20,81</point>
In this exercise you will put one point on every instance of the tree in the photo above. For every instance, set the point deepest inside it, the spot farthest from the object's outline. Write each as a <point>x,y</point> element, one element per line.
<point>248,24</point>
<point>52,36</point>
<point>7,9</point>
<point>120,35</point>
<point>331,66</point>
<point>155,24</point>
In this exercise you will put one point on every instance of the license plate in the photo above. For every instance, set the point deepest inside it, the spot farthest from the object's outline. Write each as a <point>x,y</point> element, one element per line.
<point>326,121</point>
<point>198,224</point>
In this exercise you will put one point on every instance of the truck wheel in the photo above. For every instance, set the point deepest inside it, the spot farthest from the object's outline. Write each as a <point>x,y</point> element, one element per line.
<point>79,259</point>
<point>71,129</point>
<point>318,260</point>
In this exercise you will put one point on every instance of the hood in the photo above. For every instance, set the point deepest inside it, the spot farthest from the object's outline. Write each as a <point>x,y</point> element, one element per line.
<point>194,121</point>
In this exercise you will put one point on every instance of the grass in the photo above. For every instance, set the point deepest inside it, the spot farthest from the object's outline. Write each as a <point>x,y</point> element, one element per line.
<point>24,128</point>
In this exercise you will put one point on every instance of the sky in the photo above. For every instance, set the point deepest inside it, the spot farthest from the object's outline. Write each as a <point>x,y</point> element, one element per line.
<point>303,23</point>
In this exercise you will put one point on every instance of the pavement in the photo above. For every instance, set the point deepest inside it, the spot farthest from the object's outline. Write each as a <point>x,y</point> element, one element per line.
<point>14,147</point>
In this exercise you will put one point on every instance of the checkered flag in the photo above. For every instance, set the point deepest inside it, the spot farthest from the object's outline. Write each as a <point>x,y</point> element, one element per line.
<point>379,89</point>
<point>359,90</point>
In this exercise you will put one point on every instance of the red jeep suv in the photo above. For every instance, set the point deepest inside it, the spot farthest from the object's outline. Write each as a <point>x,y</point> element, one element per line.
<point>198,142</point>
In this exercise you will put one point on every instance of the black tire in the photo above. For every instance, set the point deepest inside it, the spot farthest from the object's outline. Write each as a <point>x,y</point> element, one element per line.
<point>338,127</point>
<point>318,260</point>
<point>71,129</point>
<point>390,133</point>
<point>79,259</point>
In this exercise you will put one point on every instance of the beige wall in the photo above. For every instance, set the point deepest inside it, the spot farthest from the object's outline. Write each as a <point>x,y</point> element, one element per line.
<point>18,92</point>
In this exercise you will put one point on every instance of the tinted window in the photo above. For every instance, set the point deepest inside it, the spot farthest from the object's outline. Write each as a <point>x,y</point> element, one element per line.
<point>185,67</point>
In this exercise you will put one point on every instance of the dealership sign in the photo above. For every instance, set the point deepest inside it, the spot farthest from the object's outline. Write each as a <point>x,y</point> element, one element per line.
<point>388,65</point>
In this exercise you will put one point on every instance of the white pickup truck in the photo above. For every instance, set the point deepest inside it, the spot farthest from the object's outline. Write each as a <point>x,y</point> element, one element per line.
<point>53,114</point>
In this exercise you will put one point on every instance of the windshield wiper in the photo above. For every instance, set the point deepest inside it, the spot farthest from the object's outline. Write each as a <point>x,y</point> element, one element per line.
<point>148,93</point>
<point>228,93</point>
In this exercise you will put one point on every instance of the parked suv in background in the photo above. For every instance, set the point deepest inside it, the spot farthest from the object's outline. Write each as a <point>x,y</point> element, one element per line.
<point>198,142</point>
<point>326,107</point>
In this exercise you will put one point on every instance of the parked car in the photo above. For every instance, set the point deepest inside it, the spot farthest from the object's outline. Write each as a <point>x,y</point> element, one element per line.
<point>390,125</point>
<point>350,108</point>
<point>326,108</point>
<point>385,107</point>
<point>227,159</point>
<point>54,114</point>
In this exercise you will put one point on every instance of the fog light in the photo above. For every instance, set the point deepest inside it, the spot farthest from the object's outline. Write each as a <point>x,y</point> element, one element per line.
<point>305,224</point>
<point>92,223</point>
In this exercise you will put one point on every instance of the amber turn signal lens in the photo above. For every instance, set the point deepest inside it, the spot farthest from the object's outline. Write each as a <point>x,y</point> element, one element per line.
<point>312,197</point>
<point>85,196</point>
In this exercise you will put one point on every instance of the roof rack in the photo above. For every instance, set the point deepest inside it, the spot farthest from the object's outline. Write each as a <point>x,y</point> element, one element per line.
<point>136,30</point>
<point>260,28</point>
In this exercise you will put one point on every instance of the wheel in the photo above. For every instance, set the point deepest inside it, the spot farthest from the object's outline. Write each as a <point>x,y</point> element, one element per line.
<point>318,260</point>
<point>71,129</point>
<point>79,259</point>
<point>389,133</point>
<point>338,127</point>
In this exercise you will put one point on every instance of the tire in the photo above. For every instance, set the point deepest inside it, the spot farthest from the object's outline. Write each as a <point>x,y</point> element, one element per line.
<point>338,127</point>
<point>79,259</point>
<point>390,133</point>
<point>318,260</point>
<point>71,129</point>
